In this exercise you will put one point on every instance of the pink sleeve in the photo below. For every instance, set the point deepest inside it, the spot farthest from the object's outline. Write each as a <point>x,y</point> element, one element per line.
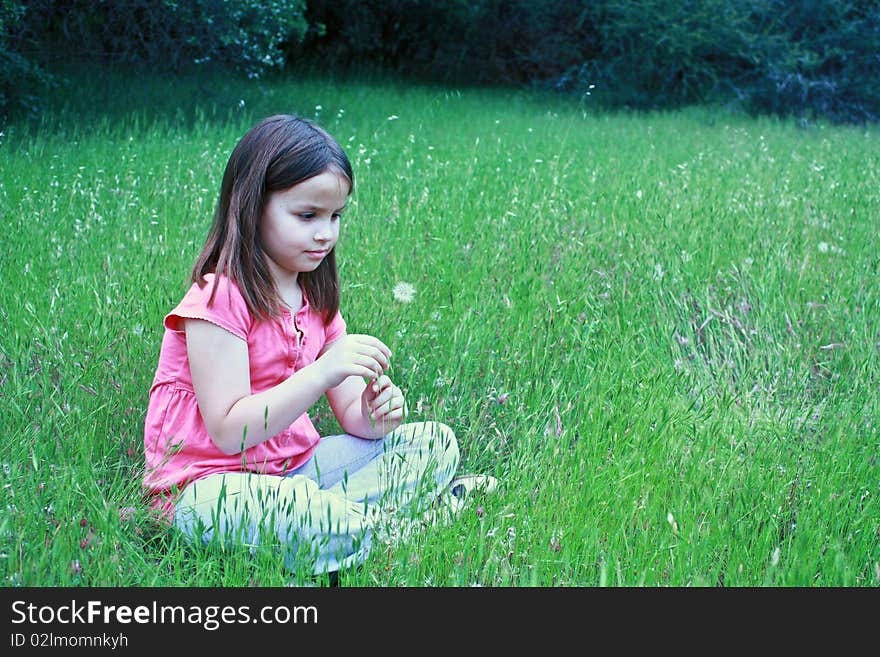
<point>228,310</point>
<point>335,329</point>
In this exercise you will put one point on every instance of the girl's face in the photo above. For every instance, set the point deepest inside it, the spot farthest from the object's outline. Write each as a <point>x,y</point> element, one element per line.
<point>300,225</point>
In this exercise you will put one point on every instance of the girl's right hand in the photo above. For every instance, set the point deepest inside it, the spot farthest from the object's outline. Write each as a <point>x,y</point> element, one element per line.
<point>353,355</point>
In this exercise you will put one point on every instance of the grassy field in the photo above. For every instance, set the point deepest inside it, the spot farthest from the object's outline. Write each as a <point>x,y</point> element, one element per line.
<point>659,331</point>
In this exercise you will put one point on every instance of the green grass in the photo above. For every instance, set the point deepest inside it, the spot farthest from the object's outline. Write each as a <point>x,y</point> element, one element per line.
<point>660,331</point>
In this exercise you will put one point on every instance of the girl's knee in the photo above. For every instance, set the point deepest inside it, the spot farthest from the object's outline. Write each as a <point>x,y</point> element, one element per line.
<point>438,440</point>
<point>448,443</point>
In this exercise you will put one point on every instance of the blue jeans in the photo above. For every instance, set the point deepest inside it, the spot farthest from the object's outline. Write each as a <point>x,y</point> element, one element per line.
<point>323,513</point>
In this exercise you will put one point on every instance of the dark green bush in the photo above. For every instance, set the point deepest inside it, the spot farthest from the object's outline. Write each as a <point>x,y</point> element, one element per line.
<point>20,77</point>
<point>250,36</point>
<point>816,58</point>
<point>253,37</point>
<point>820,56</point>
<point>808,57</point>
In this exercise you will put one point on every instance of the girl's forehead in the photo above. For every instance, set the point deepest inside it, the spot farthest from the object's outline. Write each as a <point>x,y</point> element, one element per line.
<point>328,184</point>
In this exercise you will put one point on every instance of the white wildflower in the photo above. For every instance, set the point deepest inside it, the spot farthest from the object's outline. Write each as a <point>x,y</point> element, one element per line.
<point>823,247</point>
<point>403,292</point>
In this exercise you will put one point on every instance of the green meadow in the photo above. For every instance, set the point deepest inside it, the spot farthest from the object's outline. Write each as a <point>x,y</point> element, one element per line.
<point>658,330</point>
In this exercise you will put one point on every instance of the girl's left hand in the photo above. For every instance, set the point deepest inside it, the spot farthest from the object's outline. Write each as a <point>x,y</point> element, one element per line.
<point>383,403</point>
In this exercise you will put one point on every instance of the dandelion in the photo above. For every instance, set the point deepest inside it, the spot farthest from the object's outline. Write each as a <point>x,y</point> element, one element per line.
<point>403,292</point>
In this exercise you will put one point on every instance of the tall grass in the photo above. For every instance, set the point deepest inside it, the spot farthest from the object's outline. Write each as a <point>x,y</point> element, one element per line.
<point>660,331</point>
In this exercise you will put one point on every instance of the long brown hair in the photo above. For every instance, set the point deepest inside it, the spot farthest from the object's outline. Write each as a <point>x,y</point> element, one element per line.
<point>279,152</point>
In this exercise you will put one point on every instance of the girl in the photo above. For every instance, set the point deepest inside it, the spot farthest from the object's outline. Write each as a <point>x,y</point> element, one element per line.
<point>257,339</point>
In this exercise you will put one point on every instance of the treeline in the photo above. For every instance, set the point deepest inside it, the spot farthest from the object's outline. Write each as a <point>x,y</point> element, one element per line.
<point>815,58</point>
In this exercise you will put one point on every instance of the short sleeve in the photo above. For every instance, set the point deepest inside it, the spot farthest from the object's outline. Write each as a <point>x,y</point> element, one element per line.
<point>335,329</point>
<point>228,310</point>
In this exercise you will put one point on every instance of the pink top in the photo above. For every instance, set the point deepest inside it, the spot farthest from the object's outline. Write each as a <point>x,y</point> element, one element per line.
<point>176,442</point>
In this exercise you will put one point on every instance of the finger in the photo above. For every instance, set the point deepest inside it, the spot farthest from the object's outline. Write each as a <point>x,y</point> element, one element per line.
<point>373,342</point>
<point>393,416</point>
<point>382,402</point>
<point>388,392</point>
<point>362,338</point>
<point>381,383</point>
<point>370,363</point>
<point>382,363</point>
<point>362,371</point>
<point>392,404</point>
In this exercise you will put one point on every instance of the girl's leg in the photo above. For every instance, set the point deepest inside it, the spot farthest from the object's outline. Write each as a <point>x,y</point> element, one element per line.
<point>317,528</point>
<point>415,462</point>
<point>326,509</point>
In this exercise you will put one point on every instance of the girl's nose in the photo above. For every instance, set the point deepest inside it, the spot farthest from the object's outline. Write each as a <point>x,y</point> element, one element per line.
<point>324,234</point>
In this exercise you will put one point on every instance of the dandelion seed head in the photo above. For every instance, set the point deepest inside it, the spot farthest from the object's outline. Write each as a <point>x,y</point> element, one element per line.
<point>403,292</point>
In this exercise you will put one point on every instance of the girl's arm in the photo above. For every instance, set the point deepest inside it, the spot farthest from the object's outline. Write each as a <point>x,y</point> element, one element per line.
<point>235,418</point>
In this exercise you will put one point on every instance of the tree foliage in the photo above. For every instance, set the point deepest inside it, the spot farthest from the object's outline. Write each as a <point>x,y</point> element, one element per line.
<point>805,57</point>
<point>808,57</point>
<point>252,36</point>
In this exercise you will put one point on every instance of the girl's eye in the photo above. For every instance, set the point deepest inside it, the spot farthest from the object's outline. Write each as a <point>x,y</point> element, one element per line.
<point>306,215</point>
<point>337,216</point>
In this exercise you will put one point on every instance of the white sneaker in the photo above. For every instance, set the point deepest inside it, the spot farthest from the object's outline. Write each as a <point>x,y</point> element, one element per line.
<point>464,485</point>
